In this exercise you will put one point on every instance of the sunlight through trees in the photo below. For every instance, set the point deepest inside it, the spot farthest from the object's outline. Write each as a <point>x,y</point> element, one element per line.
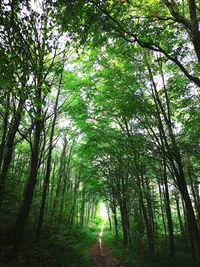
<point>99,127</point>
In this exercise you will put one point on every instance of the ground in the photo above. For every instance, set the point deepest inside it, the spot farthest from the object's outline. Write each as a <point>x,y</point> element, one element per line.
<point>101,255</point>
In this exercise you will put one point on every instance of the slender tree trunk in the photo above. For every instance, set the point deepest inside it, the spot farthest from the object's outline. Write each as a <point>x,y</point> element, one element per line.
<point>82,212</point>
<point>71,219</point>
<point>162,210</point>
<point>9,147</point>
<point>190,211</point>
<point>48,170</point>
<point>66,176</point>
<point>149,230</point>
<point>179,216</point>
<point>115,220</point>
<point>5,129</point>
<point>88,213</point>
<point>174,156</point>
<point>63,193</point>
<point>109,218</point>
<point>150,209</point>
<point>195,193</point>
<point>51,191</point>
<point>125,226</point>
<point>190,236</point>
<point>168,212</point>
<point>16,232</point>
<point>59,180</point>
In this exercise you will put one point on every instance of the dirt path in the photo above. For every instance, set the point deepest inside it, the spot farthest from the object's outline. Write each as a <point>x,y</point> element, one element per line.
<point>101,256</point>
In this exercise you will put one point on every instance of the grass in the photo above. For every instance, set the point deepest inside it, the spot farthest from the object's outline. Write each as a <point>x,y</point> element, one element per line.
<point>72,249</point>
<point>137,255</point>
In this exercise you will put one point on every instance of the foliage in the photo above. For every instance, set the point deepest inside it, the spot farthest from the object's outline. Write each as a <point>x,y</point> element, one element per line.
<point>99,103</point>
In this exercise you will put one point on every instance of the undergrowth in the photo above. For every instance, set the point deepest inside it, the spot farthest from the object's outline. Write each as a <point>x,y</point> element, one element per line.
<point>138,256</point>
<point>71,249</point>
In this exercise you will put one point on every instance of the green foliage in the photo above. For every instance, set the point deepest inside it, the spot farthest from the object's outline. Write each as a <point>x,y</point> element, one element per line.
<point>72,249</point>
<point>137,254</point>
<point>99,102</point>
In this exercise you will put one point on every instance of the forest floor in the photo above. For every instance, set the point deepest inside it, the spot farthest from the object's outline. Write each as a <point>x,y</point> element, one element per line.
<point>101,254</point>
<point>95,246</point>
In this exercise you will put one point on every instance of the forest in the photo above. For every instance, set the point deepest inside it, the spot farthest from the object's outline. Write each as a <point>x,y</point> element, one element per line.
<point>100,133</point>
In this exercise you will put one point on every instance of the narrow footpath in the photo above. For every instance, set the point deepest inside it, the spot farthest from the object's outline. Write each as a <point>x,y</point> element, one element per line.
<point>101,256</point>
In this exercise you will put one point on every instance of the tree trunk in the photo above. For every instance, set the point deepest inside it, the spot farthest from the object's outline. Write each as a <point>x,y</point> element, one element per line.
<point>109,218</point>
<point>59,180</point>
<point>48,170</point>
<point>16,232</point>
<point>172,151</point>
<point>125,225</point>
<point>115,220</point>
<point>5,129</point>
<point>179,216</point>
<point>168,212</point>
<point>195,27</point>
<point>148,224</point>
<point>82,212</point>
<point>162,210</point>
<point>9,147</point>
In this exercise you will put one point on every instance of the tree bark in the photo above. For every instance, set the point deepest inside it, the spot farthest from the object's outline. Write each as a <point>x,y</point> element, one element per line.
<point>9,147</point>
<point>172,152</point>
<point>5,128</point>
<point>195,27</point>
<point>168,212</point>
<point>48,170</point>
<point>15,234</point>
